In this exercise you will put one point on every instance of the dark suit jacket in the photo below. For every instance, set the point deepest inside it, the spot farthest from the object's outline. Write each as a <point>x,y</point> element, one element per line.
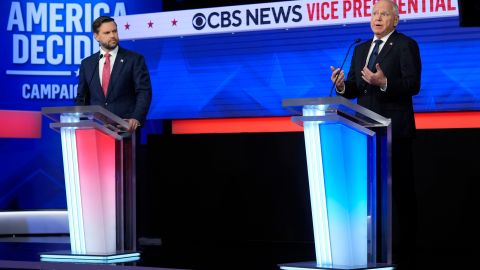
<point>400,61</point>
<point>129,91</point>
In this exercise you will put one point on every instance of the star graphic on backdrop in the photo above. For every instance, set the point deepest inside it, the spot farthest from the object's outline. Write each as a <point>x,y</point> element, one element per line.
<point>127,26</point>
<point>174,22</point>
<point>150,24</point>
<point>77,72</point>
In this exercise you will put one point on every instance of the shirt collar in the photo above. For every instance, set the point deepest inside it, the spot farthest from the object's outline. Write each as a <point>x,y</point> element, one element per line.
<point>384,39</point>
<point>112,53</point>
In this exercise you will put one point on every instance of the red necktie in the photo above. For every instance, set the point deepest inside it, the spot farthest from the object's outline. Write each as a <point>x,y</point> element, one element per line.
<point>106,74</point>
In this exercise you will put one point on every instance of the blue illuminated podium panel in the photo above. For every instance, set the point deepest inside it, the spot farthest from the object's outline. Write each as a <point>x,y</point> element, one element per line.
<point>348,159</point>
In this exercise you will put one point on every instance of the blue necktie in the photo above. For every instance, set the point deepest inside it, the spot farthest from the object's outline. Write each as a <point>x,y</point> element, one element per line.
<point>373,56</point>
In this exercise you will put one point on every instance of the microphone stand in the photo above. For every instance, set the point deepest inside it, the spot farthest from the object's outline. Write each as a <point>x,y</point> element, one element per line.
<point>84,98</point>
<point>344,59</point>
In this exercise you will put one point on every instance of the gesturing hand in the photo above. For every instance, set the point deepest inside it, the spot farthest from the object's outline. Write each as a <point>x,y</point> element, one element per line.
<point>378,78</point>
<point>339,81</point>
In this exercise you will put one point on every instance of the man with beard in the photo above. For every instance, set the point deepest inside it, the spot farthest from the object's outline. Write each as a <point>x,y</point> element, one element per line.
<point>115,78</point>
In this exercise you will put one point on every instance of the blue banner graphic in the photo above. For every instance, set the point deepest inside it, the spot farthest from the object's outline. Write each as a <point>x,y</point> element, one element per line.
<point>42,44</point>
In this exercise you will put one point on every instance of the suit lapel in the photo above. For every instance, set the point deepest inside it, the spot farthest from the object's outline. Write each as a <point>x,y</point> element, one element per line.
<point>387,47</point>
<point>117,68</point>
<point>364,52</point>
<point>95,83</point>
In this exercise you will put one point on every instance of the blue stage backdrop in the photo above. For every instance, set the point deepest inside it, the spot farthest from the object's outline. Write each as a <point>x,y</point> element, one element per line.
<point>42,44</point>
<point>249,73</point>
<point>230,74</point>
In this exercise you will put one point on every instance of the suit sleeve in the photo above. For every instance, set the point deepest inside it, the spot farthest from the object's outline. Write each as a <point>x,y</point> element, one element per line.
<point>407,82</point>
<point>82,89</point>
<point>143,89</point>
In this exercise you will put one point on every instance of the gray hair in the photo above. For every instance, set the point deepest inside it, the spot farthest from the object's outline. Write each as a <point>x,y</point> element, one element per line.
<point>394,5</point>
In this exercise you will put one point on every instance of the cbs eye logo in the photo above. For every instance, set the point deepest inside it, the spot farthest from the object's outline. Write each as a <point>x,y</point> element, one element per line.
<point>199,21</point>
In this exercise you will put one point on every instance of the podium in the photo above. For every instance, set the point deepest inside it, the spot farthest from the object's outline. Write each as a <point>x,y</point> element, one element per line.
<point>99,167</point>
<point>348,150</point>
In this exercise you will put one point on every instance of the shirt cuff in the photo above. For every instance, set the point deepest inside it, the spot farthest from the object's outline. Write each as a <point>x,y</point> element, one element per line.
<point>384,89</point>
<point>340,91</point>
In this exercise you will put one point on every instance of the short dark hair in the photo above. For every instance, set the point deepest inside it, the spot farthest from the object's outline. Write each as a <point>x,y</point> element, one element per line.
<point>99,21</point>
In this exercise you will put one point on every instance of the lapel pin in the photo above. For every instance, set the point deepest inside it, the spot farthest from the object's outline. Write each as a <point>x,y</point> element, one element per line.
<point>121,60</point>
<point>391,43</point>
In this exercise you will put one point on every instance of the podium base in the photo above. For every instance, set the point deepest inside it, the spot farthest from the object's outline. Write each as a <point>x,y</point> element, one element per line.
<point>68,256</point>
<point>314,265</point>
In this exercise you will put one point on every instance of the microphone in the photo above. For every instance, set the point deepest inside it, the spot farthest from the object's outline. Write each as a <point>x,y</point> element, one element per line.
<point>336,77</point>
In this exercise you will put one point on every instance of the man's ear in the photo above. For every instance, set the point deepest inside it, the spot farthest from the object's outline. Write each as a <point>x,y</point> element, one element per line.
<point>395,22</point>
<point>95,36</point>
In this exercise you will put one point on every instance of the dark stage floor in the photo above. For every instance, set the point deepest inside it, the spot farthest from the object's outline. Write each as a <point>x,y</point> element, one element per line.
<point>24,253</point>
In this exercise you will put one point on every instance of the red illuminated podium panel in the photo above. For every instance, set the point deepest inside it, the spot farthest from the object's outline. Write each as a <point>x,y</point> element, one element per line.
<point>99,167</point>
